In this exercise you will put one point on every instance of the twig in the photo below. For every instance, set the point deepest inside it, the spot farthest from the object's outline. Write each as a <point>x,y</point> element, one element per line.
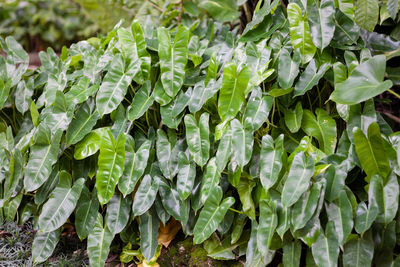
<point>156,6</point>
<point>394,93</point>
<point>396,119</point>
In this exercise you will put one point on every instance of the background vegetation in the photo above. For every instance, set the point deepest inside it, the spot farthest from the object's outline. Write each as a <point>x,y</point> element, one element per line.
<point>264,132</point>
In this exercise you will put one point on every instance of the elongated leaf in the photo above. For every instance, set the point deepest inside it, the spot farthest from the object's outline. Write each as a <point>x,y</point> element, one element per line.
<point>81,91</point>
<point>173,58</point>
<point>111,165</point>
<point>270,160</point>
<point>245,188</point>
<point>321,22</point>
<point>43,155</point>
<point>341,214</point>
<point>257,110</point>
<point>201,93</point>
<point>44,245</point>
<point>145,195</point>
<point>323,128</point>
<point>211,215</point>
<point>231,95</point>
<point>133,46</point>
<point>367,12</point>
<point>85,119</point>
<point>358,252</point>
<point>224,150</point>
<point>298,179</point>
<point>364,82</point>
<point>61,204</point>
<point>387,198</point>
<point>99,241</point>
<point>24,94</point>
<point>186,177</point>
<point>364,218</point>
<point>288,68</point>
<point>371,153</point>
<point>300,34</point>
<point>335,178</point>
<point>304,209</point>
<point>114,86</point>
<point>242,143</point>
<point>210,179</point>
<point>268,222</point>
<point>118,212</point>
<point>172,113</point>
<point>141,102</point>
<point>134,166</point>
<point>169,198</point>
<point>225,10</point>
<point>148,228</point>
<point>86,214</point>
<point>326,249</point>
<point>294,117</point>
<point>90,144</point>
<point>291,253</point>
<point>197,137</point>
<point>309,78</point>
<point>167,155</point>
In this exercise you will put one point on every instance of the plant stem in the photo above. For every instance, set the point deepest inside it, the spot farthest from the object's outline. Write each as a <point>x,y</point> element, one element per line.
<point>394,93</point>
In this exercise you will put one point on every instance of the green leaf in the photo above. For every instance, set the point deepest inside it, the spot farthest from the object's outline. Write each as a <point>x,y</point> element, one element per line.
<point>268,222</point>
<point>358,252</point>
<point>270,160</point>
<point>300,34</point>
<point>173,59</point>
<point>211,215</point>
<point>43,155</point>
<point>142,101</point>
<point>244,189</point>
<point>335,178</point>
<point>167,155</point>
<point>309,78</point>
<point>387,198</point>
<point>321,21</point>
<point>145,195</point>
<point>257,110</point>
<point>341,214</point>
<point>197,137</point>
<point>371,152</point>
<point>24,92</point>
<point>114,86</point>
<point>134,166</point>
<point>294,117</point>
<point>201,93</point>
<point>4,91</point>
<point>242,143</point>
<point>44,245</point>
<point>392,8</point>
<point>169,198</point>
<point>224,150</point>
<point>323,128</point>
<point>133,46</point>
<point>186,177</point>
<point>111,165</point>
<point>364,217</point>
<point>34,114</point>
<point>98,244</point>
<point>364,82</point>
<point>210,180</point>
<point>326,249</point>
<point>367,13</point>
<point>304,209</point>
<point>291,253</point>
<point>80,92</point>
<point>231,95</point>
<point>90,144</point>
<point>85,119</point>
<point>288,68</point>
<point>172,113</point>
<point>148,228</point>
<point>86,213</point>
<point>298,179</point>
<point>61,203</point>
<point>118,211</point>
<point>221,10</point>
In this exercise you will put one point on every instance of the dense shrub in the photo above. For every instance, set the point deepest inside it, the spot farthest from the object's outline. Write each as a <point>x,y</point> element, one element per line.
<point>264,144</point>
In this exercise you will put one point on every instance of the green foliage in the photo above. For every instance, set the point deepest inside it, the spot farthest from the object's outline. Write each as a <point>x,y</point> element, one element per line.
<point>260,144</point>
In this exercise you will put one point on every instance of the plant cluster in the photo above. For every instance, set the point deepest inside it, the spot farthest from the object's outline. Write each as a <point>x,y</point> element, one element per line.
<point>264,144</point>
